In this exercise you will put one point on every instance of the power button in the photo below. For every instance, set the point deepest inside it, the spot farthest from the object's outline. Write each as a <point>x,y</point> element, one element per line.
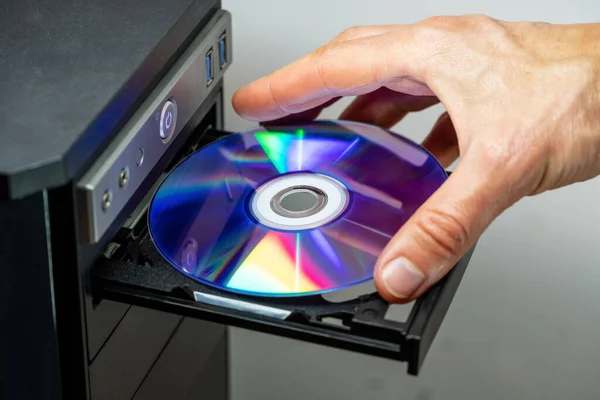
<point>168,120</point>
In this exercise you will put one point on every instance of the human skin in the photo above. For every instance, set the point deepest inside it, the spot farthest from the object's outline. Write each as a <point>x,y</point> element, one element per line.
<point>522,111</point>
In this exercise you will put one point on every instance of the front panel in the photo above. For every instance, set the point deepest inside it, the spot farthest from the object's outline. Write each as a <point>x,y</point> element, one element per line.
<point>106,189</point>
<point>108,349</point>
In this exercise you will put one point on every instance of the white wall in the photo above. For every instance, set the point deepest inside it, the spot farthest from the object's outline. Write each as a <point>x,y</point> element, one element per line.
<point>525,323</point>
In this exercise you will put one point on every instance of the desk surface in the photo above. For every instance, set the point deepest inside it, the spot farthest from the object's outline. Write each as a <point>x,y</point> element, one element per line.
<point>70,74</point>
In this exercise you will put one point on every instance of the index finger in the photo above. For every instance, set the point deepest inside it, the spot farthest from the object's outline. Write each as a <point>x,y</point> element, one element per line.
<point>347,68</point>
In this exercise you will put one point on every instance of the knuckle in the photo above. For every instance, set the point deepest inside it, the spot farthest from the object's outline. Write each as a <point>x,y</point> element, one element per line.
<point>506,160</point>
<point>499,154</point>
<point>479,20</point>
<point>432,29</point>
<point>446,38</point>
<point>325,60</point>
<point>275,97</point>
<point>442,232</point>
<point>439,21</point>
<point>349,33</point>
<point>326,51</point>
<point>432,38</point>
<point>511,164</point>
<point>461,24</point>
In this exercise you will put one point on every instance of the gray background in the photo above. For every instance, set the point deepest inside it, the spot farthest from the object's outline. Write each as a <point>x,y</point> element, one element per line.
<point>525,323</point>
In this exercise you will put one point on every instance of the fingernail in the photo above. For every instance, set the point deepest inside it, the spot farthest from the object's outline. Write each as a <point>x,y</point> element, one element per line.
<point>401,278</point>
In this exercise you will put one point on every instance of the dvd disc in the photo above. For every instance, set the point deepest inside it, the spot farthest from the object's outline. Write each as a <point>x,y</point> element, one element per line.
<point>291,210</point>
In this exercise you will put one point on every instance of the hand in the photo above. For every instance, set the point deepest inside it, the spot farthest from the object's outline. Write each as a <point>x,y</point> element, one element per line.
<point>522,105</point>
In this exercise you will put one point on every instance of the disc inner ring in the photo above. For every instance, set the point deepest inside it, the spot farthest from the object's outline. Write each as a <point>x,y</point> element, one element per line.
<point>299,201</point>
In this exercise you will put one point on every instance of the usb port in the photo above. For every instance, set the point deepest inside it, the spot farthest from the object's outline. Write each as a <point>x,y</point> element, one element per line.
<point>209,67</point>
<point>223,50</point>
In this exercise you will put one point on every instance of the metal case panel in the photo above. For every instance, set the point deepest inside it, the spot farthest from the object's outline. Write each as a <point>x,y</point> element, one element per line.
<point>121,366</point>
<point>197,350</point>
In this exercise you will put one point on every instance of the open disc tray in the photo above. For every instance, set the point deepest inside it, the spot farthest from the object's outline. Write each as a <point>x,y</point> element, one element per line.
<point>137,274</point>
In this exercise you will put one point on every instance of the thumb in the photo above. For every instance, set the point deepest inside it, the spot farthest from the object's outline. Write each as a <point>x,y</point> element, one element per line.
<point>440,232</point>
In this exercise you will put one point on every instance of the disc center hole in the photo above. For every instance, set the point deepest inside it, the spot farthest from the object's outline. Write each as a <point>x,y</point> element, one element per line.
<point>299,200</point>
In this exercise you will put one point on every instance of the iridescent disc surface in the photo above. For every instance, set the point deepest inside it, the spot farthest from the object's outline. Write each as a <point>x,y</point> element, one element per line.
<point>201,217</point>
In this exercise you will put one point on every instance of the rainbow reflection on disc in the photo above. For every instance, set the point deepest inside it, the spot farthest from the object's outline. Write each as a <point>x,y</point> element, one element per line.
<point>292,210</point>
